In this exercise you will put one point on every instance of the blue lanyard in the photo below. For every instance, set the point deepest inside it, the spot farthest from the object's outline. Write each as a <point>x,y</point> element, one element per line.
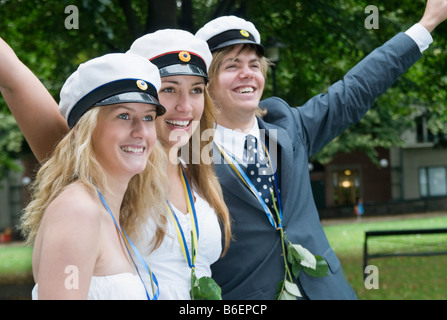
<point>135,250</point>
<point>190,258</point>
<point>243,176</point>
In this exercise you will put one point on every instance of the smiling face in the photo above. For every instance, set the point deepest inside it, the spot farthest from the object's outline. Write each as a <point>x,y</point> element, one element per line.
<point>184,100</point>
<point>124,137</point>
<point>238,84</point>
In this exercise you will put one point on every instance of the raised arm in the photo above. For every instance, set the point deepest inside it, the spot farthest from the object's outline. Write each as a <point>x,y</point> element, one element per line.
<point>34,109</point>
<point>435,13</point>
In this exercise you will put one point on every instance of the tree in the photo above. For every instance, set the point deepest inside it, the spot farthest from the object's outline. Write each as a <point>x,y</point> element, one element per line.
<point>326,38</point>
<point>323,40</point>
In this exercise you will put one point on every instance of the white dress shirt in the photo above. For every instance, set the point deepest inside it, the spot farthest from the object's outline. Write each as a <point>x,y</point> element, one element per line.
<point>233,141</point>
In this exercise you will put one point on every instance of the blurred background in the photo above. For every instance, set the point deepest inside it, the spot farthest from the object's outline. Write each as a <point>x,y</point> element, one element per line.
<point>393,163</point>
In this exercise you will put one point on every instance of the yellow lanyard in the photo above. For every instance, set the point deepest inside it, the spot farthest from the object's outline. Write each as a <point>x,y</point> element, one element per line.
<point>190,258</point>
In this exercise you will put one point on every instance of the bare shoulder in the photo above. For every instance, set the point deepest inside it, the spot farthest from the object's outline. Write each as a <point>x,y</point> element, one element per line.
<point>69,235</point>
<point>75,214</point>
<point>75,202</point>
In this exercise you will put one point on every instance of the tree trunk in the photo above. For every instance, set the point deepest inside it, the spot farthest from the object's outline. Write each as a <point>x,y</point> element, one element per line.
<point>161,15</point>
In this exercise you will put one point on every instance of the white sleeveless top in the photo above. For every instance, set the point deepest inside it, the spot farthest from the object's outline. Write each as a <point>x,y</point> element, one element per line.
<point>121,286</point>
<point>167,261</point>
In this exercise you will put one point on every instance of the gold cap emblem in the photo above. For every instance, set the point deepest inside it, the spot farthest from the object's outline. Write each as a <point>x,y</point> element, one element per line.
<point>142,85</point>
<point>184,56</point>
<point>245,33</point>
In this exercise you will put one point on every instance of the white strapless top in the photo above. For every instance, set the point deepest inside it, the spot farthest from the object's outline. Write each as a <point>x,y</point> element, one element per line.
<point>121,286</point>
<point>167,261</point>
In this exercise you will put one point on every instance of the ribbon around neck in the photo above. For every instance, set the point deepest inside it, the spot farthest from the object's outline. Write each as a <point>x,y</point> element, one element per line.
<point>190,258</point>
<point>127,242</point>
<point>244,178</point>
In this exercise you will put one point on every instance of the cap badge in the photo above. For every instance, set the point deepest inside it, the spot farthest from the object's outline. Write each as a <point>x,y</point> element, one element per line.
<point>142,85</point>
<point>184,56</point>
<point>245,33</point>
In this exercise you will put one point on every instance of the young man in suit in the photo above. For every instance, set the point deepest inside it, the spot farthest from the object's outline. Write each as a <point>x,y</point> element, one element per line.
<point>254,265</point>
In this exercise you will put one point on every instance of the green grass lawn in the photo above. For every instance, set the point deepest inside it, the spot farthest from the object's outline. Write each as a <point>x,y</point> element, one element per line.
<point>406,278</point>
<point>15,264</point>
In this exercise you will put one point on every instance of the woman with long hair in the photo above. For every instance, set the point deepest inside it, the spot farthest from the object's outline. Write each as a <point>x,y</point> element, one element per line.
<point>185,132</point>
<point>183,61</point>
<point>87,196</point>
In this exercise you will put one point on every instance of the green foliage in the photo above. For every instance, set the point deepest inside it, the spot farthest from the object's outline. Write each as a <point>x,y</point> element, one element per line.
<point>325,39</point>
<point>322,41</point>
<point>10,144</point>
<point>205,288</point>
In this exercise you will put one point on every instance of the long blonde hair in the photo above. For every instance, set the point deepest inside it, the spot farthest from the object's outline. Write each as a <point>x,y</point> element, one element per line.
<point>74,160</point>
<point>202,174</point>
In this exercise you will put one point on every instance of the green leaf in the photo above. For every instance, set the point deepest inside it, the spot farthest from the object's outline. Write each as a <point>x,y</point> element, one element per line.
<point>279,290</point>
<point>292,254</point>
<point>302,259</point>
<point>292,288</point>
<point>284,295</point>
<point>280,286</point>
<point>296,269</point>
<point>287,291</point>
<point>206,289</point>
<point>307,259</point>
<point>321,269</point>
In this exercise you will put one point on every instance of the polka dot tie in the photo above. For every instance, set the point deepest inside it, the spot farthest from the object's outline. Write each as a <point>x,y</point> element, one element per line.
<point>259,171</point>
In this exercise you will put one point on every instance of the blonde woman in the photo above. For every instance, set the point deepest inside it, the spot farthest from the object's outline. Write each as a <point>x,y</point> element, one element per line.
<point>87,195</point>
<point>190,116</point>
<point>185,132</point>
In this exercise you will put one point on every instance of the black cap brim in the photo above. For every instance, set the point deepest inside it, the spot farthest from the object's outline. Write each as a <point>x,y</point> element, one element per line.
<point>133,97</point>
<point>183,69</point>
<point>258,46</point>
<point>114,89</point>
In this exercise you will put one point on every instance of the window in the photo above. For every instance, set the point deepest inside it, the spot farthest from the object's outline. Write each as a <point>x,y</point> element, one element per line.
<point>423,132</point>
<point>346,186</point>
<point>433,181</point>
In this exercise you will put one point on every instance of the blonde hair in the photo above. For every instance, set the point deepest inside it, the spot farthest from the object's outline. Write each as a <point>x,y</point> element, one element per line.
<point>74,160</point>
<point>218,59</point>
<point>202,174</point>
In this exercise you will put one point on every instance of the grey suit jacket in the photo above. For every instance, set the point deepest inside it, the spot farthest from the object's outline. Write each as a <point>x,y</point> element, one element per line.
<point>253,266</point>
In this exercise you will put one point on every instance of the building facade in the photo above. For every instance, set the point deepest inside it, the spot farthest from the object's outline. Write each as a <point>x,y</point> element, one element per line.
<point>409,179</point>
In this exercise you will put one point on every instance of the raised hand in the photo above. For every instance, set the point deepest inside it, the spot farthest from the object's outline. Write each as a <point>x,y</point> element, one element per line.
<point>435,13</point>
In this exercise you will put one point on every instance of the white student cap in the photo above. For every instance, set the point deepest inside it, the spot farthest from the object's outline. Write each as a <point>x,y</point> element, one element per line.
<point>229,30</point>
<point>110,79</point>
<point>174,52</point>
